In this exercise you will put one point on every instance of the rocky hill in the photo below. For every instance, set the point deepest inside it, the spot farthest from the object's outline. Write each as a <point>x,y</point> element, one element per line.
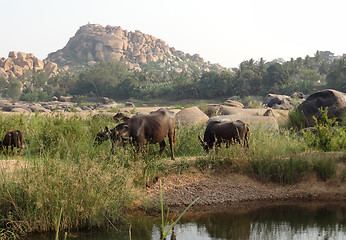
<point>18,62</point>
<point>93,43</point>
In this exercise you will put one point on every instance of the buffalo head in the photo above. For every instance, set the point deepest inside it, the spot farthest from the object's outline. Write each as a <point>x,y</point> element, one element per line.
<point>102,136</point>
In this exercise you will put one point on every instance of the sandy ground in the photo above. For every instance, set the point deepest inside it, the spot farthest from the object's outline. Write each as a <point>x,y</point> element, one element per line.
<point>233,190</point>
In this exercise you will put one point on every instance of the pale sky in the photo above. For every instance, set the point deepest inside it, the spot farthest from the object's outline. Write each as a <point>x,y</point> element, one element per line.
<point>220,31</point>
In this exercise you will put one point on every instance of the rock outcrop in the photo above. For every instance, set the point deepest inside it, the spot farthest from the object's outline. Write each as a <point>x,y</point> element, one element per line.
<point>334,100</point>
<point>232,103</point>
<point>18,63</point>
<point>283,102</point>
<point>94,43</point>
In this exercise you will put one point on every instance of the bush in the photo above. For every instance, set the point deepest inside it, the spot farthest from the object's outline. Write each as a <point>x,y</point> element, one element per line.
<point>296,120</point>
<point>327,137</point>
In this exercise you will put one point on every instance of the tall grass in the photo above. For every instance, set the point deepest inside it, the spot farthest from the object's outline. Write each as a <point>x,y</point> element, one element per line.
<point>89,194</point>
<point>296,120</point>
<point>281,157</point>
<point>64,171</point>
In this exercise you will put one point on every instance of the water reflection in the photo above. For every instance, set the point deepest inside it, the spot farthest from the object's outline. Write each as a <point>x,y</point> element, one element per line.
<point>308,221</point>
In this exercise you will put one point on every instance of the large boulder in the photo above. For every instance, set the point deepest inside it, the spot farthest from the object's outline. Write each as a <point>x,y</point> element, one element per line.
<point>191,116</point>
<point>213,109</point>
<point>51,68</point>
<point>16,107</point>
<point>257,122</point>
<point>269,113</point>
<point>334,100</point>
<point>3,73</point>
<point>225,110</point>
<point>130,104</point>
<point>232,103</point>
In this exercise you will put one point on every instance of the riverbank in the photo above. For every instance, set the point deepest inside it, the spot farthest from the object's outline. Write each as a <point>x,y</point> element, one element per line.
<point>228,189</point>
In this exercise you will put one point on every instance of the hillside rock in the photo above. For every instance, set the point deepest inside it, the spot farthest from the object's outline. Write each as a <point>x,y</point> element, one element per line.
<point>18,63</point>
<point>334,100</point>
<point>94,43</point>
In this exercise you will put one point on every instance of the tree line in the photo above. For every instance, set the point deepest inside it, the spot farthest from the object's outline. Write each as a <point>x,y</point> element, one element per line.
<point>113,80</point>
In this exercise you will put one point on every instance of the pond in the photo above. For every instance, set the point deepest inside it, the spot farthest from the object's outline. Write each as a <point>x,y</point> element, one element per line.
<point>294,221</point>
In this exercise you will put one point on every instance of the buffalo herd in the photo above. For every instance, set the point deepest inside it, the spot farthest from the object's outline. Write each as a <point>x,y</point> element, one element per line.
<point>155,126</point>
<point>141,129</point>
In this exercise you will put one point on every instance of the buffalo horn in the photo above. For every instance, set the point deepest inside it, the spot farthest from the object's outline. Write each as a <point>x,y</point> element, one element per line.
<point>200,139</point>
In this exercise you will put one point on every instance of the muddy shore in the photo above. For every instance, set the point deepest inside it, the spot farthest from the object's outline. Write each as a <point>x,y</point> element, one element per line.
<point>232,190</point>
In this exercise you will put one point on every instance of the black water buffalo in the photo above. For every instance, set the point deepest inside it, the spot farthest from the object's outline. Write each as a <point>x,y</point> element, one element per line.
<point>153,128</point>
<point>119,134</point>
<point>227,132</point>
<point>13,138</point>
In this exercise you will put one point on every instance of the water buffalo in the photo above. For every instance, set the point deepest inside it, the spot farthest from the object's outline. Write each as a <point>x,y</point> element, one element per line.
<point>227,132</point>
<point>13,138</point>
<point>153,128</point>
<point>119,134</point>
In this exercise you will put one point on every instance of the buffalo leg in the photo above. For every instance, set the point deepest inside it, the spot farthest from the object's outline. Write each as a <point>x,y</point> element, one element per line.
<point>113,148</point>
<point>171,144</point>
<point>162,146</point>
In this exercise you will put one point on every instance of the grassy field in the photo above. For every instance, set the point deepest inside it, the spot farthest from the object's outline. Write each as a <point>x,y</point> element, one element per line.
<point>91,188</point>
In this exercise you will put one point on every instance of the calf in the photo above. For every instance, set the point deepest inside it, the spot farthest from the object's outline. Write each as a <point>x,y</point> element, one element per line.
<point>119,134</point>
<point>13,138</point>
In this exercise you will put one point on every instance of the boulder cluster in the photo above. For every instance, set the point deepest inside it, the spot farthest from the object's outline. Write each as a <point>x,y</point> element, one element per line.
<point>59,106</point>
<point>18,63</point>
<point>94,43</point>
<point>277,101</point>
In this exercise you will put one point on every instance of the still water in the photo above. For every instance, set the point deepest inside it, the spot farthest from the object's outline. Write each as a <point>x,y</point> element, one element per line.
<point>304,221</point>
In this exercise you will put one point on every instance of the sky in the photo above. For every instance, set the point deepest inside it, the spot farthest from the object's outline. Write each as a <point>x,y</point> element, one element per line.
<point>227,32</point>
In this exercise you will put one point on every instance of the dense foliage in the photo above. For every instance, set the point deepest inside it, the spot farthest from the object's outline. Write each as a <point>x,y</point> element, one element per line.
<point>113,80</point>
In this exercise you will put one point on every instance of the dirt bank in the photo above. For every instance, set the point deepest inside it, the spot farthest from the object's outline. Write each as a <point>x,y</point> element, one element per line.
<point>233,189</point>
<point>226,189</point>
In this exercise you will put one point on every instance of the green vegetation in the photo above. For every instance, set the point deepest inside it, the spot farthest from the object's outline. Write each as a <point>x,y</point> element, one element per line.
<point>68,183</point>
<point>113,80</point>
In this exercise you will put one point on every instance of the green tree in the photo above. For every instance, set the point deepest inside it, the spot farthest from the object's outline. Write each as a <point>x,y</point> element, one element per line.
<point>212,85</point>
<point>336,78</point>
<point>126,89</point>
<point>276,78</point>
<point>3,86</point>
<point>308,62</point>
<point>101,79</point>
<point>249,78</point>
<point>14,89</point>
<point>310,75</point>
